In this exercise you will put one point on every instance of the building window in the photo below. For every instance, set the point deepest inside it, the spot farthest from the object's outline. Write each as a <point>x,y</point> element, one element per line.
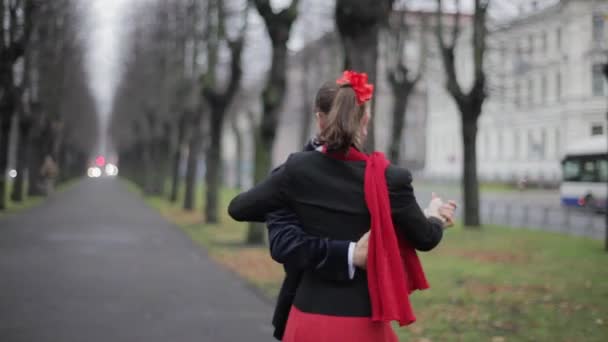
<point>597,129</point>
<point>598,80</point>
<point>558,38</point>
<point>531,45</point>
<point>558,86</point>
<point>517,94</point>
<point>543,89</point>
<point>516,145</point>
<point>598,28</point>
<point>544,42</point>
<point>530,144</point>
<point>558,143</point>
<point>499,143</point>
<point>518,52</point>
<point>503,55</point>
<point>542,148</point>
<point>530,92</point>
<point>487,149</point>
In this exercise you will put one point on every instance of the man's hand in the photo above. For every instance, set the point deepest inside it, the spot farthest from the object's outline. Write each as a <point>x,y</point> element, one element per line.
<point>360,254</point>
<point>442,211</point>
<point>447,213</point>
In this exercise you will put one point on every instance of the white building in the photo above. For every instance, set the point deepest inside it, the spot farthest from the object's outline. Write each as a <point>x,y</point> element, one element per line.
<point>546,91</point>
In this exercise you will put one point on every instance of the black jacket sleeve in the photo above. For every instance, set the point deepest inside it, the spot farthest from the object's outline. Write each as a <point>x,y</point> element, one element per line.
<point>297,250</point>
<point>423,233</point>
<point>264,198</point>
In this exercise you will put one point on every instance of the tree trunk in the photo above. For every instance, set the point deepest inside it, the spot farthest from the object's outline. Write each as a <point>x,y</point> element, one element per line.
<point>606,201</point>
<point>36,155</point>
<point>239,153</point>
<point>161,164</point>
<point>177,159</point>
<point>213,165</point>
<point>399,117</point>
<point>470,183</point>
<point>148,172</point>
<point>5,130</point>
<point>191,170</point>
<point>138,165</point>
<point>22,158</point>
<point>307,110</point>
<point>272,99</point>
<point>263,160</point>
<point>279,28</point>
<point>361,55</point>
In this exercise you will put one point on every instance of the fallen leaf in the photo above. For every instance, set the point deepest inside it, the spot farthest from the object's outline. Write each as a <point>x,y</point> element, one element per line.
<point>498,339</point>
<point>417,329</point>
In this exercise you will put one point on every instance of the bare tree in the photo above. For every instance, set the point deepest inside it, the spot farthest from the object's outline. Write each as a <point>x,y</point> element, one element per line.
<point>238,140</point>
<point>16,18</point>
<point>152,94</point>
<point>185,66</point>
<point>469,103</point>
<point>219,100</point>
<point>605,69</point>
<point>279,27</point>
<point>399,73</point>
<point>359,23</point>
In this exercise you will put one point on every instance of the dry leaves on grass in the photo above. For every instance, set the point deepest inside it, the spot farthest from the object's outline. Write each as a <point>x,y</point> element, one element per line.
<point>480,288</point>
<point>182,217</point>
<point>491,256</point>
<point>254,264</point>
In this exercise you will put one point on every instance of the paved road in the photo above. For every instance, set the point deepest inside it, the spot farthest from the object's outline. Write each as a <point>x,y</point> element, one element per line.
<point>96,264</point>
<point>536,209</point>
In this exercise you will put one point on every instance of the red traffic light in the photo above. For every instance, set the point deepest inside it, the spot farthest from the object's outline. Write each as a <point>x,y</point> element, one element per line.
<point>100,161</point>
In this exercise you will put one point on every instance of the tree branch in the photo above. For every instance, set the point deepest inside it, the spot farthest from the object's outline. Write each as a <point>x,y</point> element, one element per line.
<point>448,58</point>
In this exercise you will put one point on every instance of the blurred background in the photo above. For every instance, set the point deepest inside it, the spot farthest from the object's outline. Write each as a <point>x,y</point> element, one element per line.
<point>501,105</point>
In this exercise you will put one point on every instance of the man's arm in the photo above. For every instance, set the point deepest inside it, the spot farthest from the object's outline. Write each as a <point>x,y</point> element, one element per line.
<point>292,246</point>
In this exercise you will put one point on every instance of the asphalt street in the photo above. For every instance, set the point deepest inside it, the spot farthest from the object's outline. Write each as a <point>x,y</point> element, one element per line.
<point>534,209</point>
<point>96,264</point>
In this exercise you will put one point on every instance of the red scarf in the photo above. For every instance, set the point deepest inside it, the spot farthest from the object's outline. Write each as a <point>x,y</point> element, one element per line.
<point>393,268</point>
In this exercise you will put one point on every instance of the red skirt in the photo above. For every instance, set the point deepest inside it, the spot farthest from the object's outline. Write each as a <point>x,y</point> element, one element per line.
<point>308,327</point>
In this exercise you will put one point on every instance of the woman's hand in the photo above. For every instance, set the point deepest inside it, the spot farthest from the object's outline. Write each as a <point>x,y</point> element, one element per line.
<point>447,211</point>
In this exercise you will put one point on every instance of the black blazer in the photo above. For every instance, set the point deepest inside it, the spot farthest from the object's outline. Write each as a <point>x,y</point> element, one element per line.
<point>327,196</point>
<point>299,251</point>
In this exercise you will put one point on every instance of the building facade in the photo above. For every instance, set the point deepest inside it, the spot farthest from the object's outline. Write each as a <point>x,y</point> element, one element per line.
<point>546,91</point>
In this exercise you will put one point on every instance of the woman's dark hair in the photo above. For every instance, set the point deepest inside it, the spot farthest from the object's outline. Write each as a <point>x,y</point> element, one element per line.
<point>325,97</point>
<point>341,129</point>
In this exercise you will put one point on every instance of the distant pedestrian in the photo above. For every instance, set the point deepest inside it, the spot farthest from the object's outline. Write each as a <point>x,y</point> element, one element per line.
<point>49,172</point>
<point>522,183</point>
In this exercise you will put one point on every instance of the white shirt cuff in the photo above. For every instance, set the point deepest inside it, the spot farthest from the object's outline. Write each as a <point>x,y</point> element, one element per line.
<point>351,256</point>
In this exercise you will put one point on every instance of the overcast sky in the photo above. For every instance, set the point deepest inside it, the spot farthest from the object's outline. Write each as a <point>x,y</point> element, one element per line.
<point>105,23</point>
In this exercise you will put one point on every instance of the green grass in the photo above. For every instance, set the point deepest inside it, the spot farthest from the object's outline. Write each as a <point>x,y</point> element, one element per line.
<point>495,284</point>
<point>513,284</point>
<point>12,207</point>
<point>29,201</point>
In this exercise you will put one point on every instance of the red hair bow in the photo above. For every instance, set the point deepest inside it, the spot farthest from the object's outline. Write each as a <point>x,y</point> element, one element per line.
<point>358,81</point>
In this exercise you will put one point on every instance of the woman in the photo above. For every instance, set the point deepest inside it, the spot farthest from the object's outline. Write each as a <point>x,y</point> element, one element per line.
<point>338,192</point>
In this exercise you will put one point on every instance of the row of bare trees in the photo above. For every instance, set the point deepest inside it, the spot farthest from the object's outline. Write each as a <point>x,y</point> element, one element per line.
<point>183,75</point>
<point>189,54</point>
<point>44,95</point>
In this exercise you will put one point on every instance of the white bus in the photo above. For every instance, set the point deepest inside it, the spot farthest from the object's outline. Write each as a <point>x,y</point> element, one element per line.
<point>585,174</point>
